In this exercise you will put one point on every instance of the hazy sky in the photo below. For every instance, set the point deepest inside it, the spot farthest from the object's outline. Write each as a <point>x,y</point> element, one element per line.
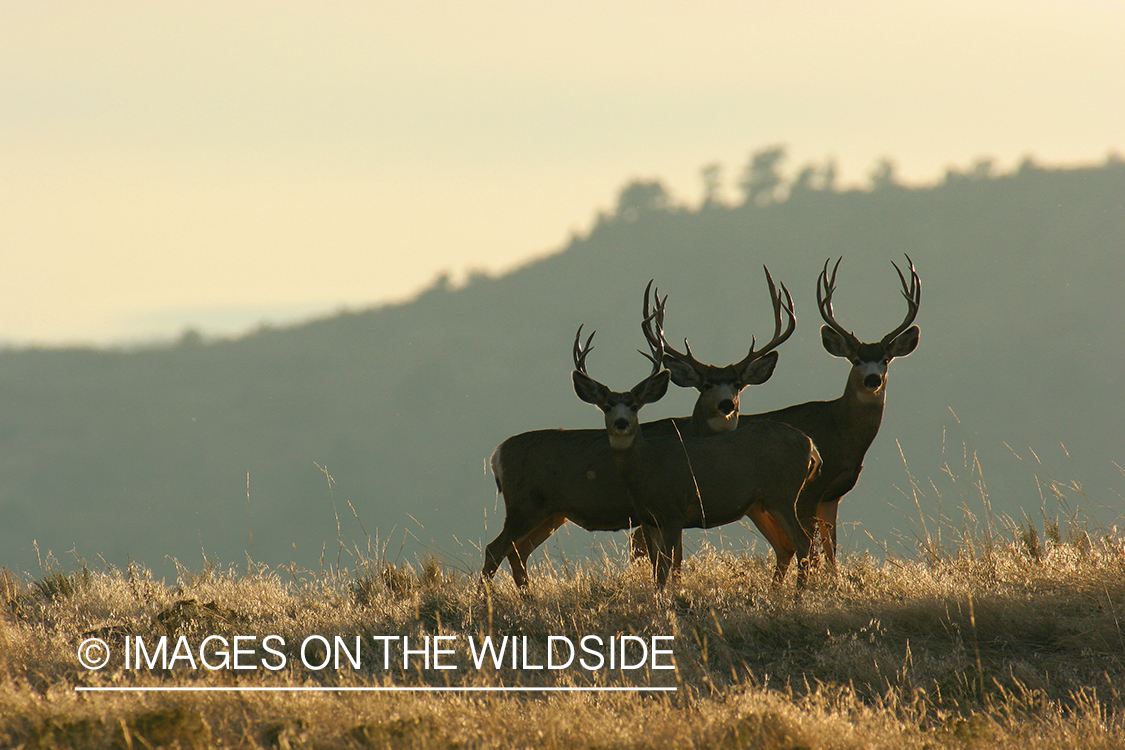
<point>214,164</point>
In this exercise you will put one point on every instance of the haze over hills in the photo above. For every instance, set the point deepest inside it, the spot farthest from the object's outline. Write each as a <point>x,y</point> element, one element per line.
<point>145,454</point>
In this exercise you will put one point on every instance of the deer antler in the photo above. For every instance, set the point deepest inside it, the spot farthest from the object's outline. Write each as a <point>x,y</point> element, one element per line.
<point>655,341</point>
<point>913,294</point>
<point>580,351</point>
<point>656,338</point>
<point>779,337</point>
<point>825,286</point>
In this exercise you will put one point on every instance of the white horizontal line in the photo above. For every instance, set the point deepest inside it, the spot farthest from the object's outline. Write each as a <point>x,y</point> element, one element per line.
<point>426,689</point>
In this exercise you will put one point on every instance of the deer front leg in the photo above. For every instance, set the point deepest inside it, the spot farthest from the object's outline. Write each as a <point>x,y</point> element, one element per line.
<point>638,549</point>
<point>638,544</point>
<point>662,542</point>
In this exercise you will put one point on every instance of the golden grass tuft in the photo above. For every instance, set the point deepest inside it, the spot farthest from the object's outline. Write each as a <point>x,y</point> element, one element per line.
<point>1017,644</point>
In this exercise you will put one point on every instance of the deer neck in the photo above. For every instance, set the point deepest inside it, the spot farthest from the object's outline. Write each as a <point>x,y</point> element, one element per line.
<point>862,410</point>
<point>629,457</point>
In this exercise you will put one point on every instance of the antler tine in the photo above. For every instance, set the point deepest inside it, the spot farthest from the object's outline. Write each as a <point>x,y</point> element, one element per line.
<point>580,352</point>
<point>913,294</point>
<point>655,342</point>
<point>825,287</point>
<point>779,336</point>
<point>657,316</point>
<point>657,359</point>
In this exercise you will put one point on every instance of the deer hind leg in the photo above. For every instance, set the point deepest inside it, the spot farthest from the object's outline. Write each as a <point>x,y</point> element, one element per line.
<point>798,537</point>
<point>826,526</point>
<point>495,552</point>
<point>782,548</point>
<point>516,527</point>
<point>517,558</point>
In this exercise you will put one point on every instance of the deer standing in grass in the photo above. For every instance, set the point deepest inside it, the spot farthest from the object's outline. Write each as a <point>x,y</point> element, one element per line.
<point>844,428</point>
<point>717,409</point>
<point>571,474</point>
<point>681,482</point>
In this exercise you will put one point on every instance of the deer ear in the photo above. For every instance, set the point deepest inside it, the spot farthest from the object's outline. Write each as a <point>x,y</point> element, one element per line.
<point>651,390</point>
<point>588,389</point>
<point>834,343</point>
<point>758,371</point>
<point>904,343</point>
<point>683,375</point>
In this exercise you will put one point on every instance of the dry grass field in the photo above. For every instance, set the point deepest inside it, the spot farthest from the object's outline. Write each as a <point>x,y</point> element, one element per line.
<point>1010,639</point>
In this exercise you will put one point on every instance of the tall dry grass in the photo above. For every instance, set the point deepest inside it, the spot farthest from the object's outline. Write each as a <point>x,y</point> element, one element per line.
<point>1009,636</point>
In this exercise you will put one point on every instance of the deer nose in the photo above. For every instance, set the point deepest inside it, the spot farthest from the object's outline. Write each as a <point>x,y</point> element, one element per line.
<point>621,424</point>
<point>726,407</point>
<point>872,381</point>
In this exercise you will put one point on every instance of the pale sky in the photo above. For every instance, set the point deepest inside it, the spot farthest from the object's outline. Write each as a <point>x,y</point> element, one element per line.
<point>175,164</point>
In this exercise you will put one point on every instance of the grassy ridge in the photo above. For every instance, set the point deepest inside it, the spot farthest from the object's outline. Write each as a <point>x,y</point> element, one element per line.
<point>1018,643</point>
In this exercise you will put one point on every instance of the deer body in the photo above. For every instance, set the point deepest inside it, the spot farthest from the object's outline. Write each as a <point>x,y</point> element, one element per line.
<point>699,482</point>
<point>704,482</point>
<point>844,428</point>
<point>550,476</point>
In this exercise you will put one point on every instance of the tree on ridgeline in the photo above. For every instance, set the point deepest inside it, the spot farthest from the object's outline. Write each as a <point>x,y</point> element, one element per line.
<point>762,178</point>
<point>883,176</point>
<point>640,197</point>
<point>712,182</point>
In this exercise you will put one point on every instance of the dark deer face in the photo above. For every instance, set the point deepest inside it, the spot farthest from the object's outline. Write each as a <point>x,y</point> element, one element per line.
<point>869,361</point>
<point>621,409</point>
<point>868,376</point>
<point>719,387</point>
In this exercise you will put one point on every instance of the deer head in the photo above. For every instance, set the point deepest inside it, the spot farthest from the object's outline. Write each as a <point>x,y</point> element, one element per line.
<point>719,387</point>
<point>869,361</point>
<point>620,408</point>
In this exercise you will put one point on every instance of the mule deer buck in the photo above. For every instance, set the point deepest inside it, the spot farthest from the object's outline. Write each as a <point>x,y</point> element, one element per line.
<point>717,408</point>
<point>572,471</point>
<point>699,482</point>
<point>844,428</point>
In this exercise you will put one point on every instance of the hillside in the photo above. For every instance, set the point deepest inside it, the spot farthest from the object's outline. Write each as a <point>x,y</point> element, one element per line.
<point>145,454</point>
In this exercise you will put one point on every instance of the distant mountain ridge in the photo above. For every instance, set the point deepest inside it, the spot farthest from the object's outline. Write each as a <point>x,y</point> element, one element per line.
<point>144,454</point>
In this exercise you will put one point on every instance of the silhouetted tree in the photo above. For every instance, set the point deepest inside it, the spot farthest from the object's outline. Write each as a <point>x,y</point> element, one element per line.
<point>828,181</point>
<point>804,182</point>
<point>712,182</point>
<point>983,168</point>
<point>882,176</point>
<point>640,197</point>
<point>1028,167</point>
<point>762,176</point>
